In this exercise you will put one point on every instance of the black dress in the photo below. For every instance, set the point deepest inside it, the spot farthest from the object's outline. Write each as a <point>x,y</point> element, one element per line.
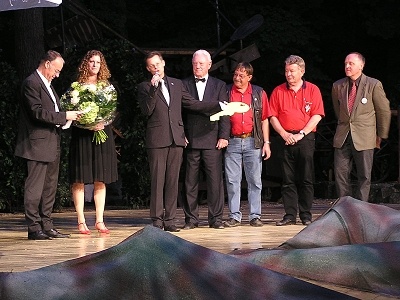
<point>90,162</point>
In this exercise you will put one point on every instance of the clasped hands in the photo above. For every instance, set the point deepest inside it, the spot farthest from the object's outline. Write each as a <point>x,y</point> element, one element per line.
<point>292,139</point>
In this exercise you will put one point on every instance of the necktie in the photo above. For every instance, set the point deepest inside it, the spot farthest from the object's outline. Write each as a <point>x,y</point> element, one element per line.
<point>164,90</point>
<point>200,79</point>
<point>352,97</point>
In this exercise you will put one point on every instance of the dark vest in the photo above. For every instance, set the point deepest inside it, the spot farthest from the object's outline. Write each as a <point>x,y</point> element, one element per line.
<point>256,104</point>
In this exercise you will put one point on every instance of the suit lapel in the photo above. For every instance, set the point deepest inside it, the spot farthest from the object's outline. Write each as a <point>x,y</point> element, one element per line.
<point>209,89</point>
<point>42,84</point>
<point>193,89</point>
<point>345,96</point>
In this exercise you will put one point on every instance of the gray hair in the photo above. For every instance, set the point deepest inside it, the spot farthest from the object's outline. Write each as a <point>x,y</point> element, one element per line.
<point>295,59</point>
<point>204,53</point>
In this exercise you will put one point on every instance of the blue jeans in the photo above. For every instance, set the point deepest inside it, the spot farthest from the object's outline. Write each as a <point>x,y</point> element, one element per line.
<point>241,152</point>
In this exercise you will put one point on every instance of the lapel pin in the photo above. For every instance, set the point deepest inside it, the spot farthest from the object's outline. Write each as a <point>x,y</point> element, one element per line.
<point>364,100</point>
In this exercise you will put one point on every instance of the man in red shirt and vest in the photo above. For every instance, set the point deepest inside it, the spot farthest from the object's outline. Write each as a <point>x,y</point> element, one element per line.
<point>248,145</point>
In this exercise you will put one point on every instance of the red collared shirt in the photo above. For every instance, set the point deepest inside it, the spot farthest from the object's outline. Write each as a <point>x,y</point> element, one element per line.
<point>243,122</point>
<point>295,109</point>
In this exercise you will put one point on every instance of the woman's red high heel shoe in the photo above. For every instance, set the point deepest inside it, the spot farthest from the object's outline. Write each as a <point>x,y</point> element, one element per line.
<point>101,230</point>
<point>85,230</point>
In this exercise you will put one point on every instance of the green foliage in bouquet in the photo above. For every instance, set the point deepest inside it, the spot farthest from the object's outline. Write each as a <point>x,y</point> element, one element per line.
<point>98,103</point>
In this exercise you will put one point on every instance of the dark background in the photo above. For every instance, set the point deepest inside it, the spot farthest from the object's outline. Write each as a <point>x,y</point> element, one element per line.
<point>322,32</point>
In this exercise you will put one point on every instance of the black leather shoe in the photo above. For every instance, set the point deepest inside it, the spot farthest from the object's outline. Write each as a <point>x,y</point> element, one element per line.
<point>306,222</point>
<point>38,235</point>
<point>217,225</point>
<point>56,234</point>
<point>171,228</point>
<point>190,225</point>
<point>286,222</point>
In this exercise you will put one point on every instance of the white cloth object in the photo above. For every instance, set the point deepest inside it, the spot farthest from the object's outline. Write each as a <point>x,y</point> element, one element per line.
<point>228,109</point>
<point>164,90</point>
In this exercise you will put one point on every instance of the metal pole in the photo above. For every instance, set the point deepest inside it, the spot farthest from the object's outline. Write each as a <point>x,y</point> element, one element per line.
<point>218,25</point>
<point>398,147</point>
<point>62,29</point>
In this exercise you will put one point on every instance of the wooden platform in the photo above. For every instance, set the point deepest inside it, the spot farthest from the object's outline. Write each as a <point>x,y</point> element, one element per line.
<point>18,254</point>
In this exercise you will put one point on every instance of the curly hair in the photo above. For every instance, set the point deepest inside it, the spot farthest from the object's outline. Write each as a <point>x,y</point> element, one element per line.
<point>83,69</point>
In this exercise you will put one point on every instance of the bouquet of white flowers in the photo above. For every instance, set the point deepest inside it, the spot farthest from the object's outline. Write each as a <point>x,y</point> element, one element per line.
<point>98,103</point>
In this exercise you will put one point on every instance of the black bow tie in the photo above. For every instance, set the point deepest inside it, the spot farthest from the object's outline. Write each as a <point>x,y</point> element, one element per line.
<point>200,79</point>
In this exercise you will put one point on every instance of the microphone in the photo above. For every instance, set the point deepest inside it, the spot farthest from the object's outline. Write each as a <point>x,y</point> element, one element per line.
<point>156,78</point>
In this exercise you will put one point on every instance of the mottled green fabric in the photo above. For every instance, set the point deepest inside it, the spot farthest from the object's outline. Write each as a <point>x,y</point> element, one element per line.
<point>354,244</point>
<point>154,264</point>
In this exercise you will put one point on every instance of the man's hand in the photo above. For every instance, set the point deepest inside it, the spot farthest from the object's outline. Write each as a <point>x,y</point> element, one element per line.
<point>73,115</point>
<point>266,151</point>
<point>222,143</point>
<point>378,142</point>
<point>155,80</point>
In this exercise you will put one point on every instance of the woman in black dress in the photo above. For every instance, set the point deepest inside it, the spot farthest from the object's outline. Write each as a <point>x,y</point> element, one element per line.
<point>91,162</point>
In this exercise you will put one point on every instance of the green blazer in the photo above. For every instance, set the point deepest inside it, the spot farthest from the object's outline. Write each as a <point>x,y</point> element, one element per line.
<point>370,116</point>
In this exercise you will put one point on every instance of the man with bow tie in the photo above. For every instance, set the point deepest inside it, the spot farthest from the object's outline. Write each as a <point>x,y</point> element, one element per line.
<point>161,99</point>
<point>206,141</point>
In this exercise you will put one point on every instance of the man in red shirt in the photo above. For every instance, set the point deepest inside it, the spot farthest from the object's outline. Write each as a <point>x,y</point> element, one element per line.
<point>296,109</point>
<point>248,145</point>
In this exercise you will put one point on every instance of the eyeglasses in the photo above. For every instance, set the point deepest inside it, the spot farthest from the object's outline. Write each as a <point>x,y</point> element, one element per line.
<point>55,70</point>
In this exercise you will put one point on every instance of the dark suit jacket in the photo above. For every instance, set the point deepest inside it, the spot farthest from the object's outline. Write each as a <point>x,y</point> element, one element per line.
<point>164,123</point>
<point>200,131</point>
<point>370,116</point>
<point>38,136</point>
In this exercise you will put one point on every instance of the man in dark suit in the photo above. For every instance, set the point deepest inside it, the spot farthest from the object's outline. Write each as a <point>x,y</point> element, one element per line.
<point>161,100</point>
<point>206,140</point>
<point>362,124</point>
<point>38,142</point>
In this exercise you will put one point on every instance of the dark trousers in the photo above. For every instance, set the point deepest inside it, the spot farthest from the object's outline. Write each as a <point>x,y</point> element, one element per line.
<point>343,163</point>
<point>212,160</point>
<point>298,178</point>
<point>165,164</point>
<point>40,192</point>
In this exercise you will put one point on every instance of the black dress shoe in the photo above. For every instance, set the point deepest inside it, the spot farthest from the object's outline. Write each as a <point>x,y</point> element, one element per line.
<point>38,235</point>
<point>56,234</point>
<point>171,228</point>
<point>286,222</point>
<point>217,225</point>
<point>190,225</point>
<point>306,222</point>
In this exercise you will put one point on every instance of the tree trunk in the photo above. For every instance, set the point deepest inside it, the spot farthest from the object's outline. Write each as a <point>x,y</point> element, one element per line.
<point>29,40</point>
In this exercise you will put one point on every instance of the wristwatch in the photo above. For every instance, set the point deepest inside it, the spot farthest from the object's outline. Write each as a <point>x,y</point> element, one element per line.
<point>302,132</point>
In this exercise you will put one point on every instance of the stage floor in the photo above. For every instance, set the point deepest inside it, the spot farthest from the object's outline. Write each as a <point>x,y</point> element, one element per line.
<point>18,254</point>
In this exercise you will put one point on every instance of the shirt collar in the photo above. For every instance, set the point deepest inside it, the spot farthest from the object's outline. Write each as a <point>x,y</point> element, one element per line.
<point>249,89</point>
<point>303,86</point>
<point>44,79</point>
